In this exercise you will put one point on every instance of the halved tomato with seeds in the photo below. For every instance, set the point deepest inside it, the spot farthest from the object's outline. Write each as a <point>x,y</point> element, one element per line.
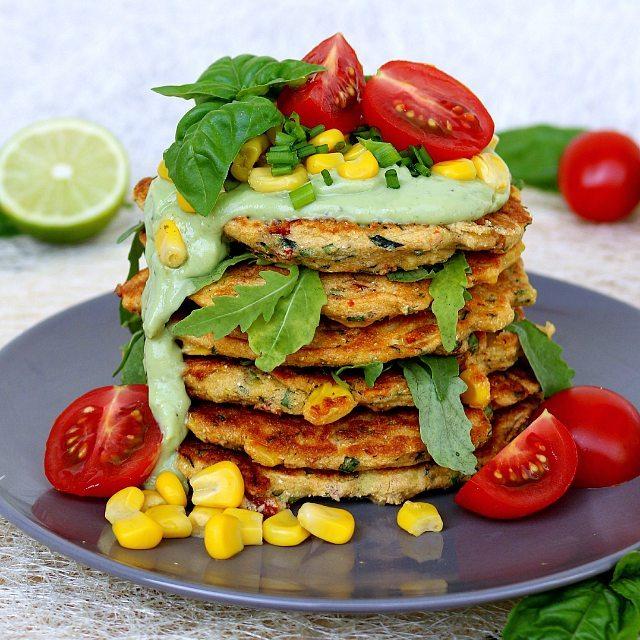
<point>529,474</point>
<point>103,441</point>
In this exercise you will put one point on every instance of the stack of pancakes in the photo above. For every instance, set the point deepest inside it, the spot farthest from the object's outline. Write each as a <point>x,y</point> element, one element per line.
<point>259,420</point>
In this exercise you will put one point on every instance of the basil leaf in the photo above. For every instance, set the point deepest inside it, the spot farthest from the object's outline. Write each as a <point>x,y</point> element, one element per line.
<point>533,153</point>
<point>436,388</point>
<point>198,164</point>
<point>415,275</point>
<point>132,363</point>
<point>219,270</point>
<point>544,356</point>
<point>193,116</point>
<point>7,227</point>
<point>250,303</point>
<point>292,325</point>
<point>370,371</point>
<point>132,321</point>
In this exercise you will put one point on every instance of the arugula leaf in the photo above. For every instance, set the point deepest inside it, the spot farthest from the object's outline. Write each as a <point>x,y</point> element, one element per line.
<point>415,275</point>
<point>371,373</point>
<point>132,363</point>
<point>544,356</point>
<point>229,312</point>
<point>293,324</point>
<point>198,164</point>
<point>132,321</point>
<point>7,227</point>
<point>385,153</point>
<point>533,153</point>
<point>219,270</point>
<point>436,388</point>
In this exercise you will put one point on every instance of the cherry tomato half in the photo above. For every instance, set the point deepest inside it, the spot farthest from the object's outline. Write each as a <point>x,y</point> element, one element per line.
<point>331,98</point>
<point>103,441</point>
<point>599,175</point>
<point>413,103</point>
<point>529,474</point>
<point>606,429</point>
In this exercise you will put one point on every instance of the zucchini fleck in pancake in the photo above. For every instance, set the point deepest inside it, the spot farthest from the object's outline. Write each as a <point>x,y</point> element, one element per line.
<point>340,245</point>
<point>270,489</point>
<point>354,300</point>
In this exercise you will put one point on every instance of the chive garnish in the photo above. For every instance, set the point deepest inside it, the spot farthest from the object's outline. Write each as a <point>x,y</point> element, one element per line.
<point>302,196</point>
<point>391,177</point>
<point>326,176</point>
<point>322,148</point>
<point>422,170</point>
<point>316,130</point>
<point>340,146</point>
<point>305,151</point>
<point>282,170</point>
<point>282,157</point>
<point>283,138</point>
<point>424,157</point>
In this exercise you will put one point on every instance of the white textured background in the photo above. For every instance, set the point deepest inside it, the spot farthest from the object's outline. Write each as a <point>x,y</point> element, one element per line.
<point>574,63</point>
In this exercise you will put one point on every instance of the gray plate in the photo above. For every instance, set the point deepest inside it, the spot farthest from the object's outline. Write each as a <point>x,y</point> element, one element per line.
<point>382,569</point>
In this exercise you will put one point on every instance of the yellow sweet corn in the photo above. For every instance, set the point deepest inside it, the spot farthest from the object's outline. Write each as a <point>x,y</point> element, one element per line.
<point>152,499</point>
<point>330,137</point>
<point>284,530</point>
<point>478,393</point>
<point>264,456</point>
<point>168,485</point>
<point>219,485</point>
<point>320,161</point>
<point>199,517</point>
<point>354,151</point>
<point>327,523</point>
<point>248,155</point>
<point>223,536</point>
<point>261,180</point>
<point>418,517</point>
<point>124,503</point>
<point>364,166</point>
<point>170,246</point>
<point>251,523</point>
<point>328,403</point>
<point>172,519</point>
<point>138,531</point>
<point>493,170</point>
<point>163,172</point>
<point>462,169</point>
<point>184,205</point>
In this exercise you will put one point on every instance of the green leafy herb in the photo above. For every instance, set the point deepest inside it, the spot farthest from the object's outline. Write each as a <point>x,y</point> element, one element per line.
<point>198,163</point>
<point>544,356</point>
<point>193,116</point>
<point>292,325</point>
<point>414,275</point>
<point>132,363</point>
<point>436,388</point>
<point>371,373</point>
<point>246,74</point>
<point>384,152</point>
<point>533,153</point>
<point>349,465</point>
<point>7,228</point>
<point>602,608</point>
<point>219,270</point>
<point>132,321</point>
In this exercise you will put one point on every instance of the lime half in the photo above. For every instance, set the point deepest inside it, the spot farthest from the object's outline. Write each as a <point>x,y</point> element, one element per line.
<point>62,180</point>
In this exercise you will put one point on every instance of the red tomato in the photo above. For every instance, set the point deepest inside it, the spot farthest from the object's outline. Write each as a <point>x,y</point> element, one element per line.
<point>599,175</point>
<point>331,98</point>
<point>413,103</point>
<point>104,441</point>
<point>529,474</point>
<point>606,429</point>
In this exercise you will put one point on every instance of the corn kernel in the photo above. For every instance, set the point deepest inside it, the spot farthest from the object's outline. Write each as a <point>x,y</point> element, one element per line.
<point>124,503</point>
<point>223,536</point>
<point>219,485</point>
<point>170,247</point>
<point>284,530</point>
<point>462,169</point>
<point>261,180</point>
<point>418,517</point>
<point>320,161</point>
<point>264,456</point>
<point>493,170</point>
<point>330,137</point>
<point>168,485</point>
<point>251,523</point>
<point>327,523</point>
<point>364,166</point>
<point>138,531</point>
<point>151,499</point>
<point>199,517</point>
<point>172,519</point>
<point>356,150</point>
<point>163,171</point>
<point>478,393</point>
<point>248,155</point>
<point>184,204</point>
<point>328,403</point>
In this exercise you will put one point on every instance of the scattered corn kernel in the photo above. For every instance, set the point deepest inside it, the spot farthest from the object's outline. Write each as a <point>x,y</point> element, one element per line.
<point>478,393</point>
<point>284,530</point>
<point>152,499</point>
<point>418,517</point>
<point>327,523</point>
<point>124,503</point>
<point>354,151</point>
<point>223,536</point>
<point>172,519</point>
<point>320,161</point>
<point>251,523</point>
<point>163,171</point>
<point>138,531</point>
<point>170,246</point>
<point>364,166</point>
<point>264,456</point>
<point>219,485</point>
<point>199,517</point>
<point>184,204</point>
<point>248,155</point>
<point>261,180</point>
<point>330,137</point>
<point>168,485</point>
<point>462,169</point>
<point>328,403</point>
<point>493,170</point>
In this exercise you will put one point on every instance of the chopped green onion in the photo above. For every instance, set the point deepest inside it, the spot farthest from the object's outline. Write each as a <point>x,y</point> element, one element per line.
<point>326,176</point>
<point>391,177</point>
<point>282,157</point>
<point>302,196</point>
<point>340,146</point>
<point>230,185</point>
<point>305,151</point>
<point>384,152</point>
<point>284,138</point>
<point>422,170</point>
<point>424,157</point>
<point>280,147</point>
<point>316,130</point>
<point>405,153</point>
<point>282,170</point>
<point>404,162</point>
<point>413,171</point>
<point>322,148</point>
